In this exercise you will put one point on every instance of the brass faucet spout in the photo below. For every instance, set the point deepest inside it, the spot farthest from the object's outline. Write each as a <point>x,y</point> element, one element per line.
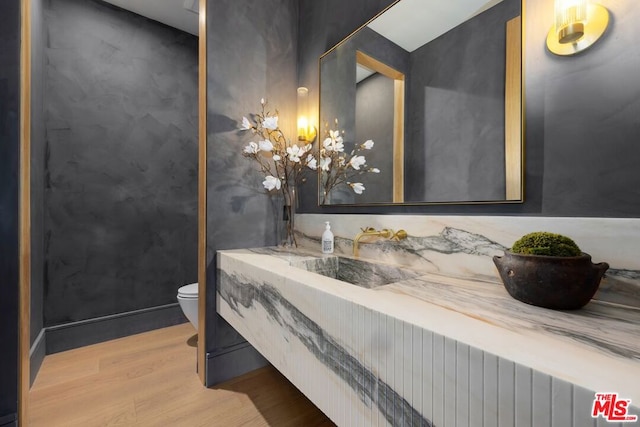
<point>370,231</point>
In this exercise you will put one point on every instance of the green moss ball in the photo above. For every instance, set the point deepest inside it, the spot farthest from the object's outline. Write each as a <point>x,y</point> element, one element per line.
<point>543,243</point>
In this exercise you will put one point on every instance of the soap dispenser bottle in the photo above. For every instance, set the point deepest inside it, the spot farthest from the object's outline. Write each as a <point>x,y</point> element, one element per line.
<point>327,239</point>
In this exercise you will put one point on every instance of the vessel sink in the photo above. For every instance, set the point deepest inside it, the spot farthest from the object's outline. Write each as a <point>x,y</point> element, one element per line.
<point>356,272</point>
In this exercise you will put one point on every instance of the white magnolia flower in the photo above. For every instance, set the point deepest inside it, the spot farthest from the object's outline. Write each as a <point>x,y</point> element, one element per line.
<point>276,158</point>
<point>252,148</point>
<point>334,142</point>
<point>246,124</point>
<point>312,163</point>
<point>368,144</point>
<point>335,135</point>
<point>325,163</point>
<point>262,101</point>
<point>357,187</point>
<point>266,145</point>
<point>357,161</point>
<point>294,153</point>
<point>270,123</point>
<point>338,141</point>
<point>271,182</point>
<point>374,170</point>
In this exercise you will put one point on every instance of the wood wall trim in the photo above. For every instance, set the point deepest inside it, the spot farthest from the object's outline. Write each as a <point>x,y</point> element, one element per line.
<point>398,141</point>
<point>202,192</point>
<point>513,110</point>
<point>24,329</point>
<point>379,66</point>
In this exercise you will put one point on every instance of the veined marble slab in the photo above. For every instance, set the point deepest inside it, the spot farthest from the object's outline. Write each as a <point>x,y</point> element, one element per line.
<point>428,349</point>
<point>463,246</point>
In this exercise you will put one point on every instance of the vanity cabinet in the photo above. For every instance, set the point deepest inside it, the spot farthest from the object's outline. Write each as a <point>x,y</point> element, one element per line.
<point>395,356</point>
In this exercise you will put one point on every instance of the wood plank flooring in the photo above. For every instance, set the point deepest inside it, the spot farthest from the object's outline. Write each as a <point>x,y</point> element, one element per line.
<point>150,380</point>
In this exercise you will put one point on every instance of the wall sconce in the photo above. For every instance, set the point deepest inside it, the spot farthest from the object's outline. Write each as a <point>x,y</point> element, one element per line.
<point>306,131</point>
<point>579,24</point>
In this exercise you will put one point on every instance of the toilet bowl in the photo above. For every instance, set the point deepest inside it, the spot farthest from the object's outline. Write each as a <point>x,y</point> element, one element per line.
<point>188,300</point>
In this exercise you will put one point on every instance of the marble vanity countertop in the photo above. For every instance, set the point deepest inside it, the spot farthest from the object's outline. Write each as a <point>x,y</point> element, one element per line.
<point>597,347</point>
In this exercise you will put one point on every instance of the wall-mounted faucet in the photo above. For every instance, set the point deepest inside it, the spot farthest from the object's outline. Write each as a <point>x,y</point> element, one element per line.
<point>385,233</point>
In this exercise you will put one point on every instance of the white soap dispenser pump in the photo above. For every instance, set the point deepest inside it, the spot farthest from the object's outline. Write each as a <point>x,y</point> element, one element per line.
<point>327,239</point>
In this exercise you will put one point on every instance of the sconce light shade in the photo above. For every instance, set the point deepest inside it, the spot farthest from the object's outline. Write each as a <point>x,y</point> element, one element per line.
<point>306,131</point>
<point>578,25</point>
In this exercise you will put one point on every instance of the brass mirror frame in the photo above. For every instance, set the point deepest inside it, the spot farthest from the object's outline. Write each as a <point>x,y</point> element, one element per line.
<point>514,121</point>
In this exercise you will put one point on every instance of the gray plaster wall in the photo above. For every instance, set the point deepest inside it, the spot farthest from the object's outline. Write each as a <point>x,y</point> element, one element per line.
<point>121,162</point>
<point>37,179</point>
<point>454,148</point>
<point>251,54</point>
<point>9,206</point>
<point>581,114</point>
<point>585,113</point>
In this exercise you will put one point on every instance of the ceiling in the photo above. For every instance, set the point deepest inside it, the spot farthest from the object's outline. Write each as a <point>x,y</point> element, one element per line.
<point>413,23</point>
<point>180,14</point>
<point>410,23</point>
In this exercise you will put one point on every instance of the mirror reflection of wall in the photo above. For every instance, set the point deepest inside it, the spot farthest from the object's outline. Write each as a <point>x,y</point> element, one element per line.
<point>339,94</point>
<point>459,137</point>
<point>380,100</point>
<point>456,123</point>
<point>374,120</point>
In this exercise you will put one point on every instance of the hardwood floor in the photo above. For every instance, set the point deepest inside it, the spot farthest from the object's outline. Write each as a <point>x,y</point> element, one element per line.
<point>150,380</point>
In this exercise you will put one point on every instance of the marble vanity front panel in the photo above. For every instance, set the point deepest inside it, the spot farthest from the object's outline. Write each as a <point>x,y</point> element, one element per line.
<point>420,352</point>
<point>463,246</point>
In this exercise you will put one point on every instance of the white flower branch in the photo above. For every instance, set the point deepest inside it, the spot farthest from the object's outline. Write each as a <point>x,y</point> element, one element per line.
<point>337,167</point>
<point>283,163</point>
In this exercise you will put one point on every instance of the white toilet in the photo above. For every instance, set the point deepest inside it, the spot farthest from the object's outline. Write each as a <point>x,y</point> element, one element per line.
<point>188,299</point>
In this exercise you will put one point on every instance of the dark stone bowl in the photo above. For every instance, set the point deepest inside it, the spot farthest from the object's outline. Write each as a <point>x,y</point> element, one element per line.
<point>559,283</point>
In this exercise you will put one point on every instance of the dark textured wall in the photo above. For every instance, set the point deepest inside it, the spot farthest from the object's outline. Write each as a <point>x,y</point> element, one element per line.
<point>454,148</point>
<point>38,154</point>
<point>581,117</point>
<point>9,207</point>
<point>37,167</point>
<point>121,159</point>
<point>251,54</point>
<point>584,111</point>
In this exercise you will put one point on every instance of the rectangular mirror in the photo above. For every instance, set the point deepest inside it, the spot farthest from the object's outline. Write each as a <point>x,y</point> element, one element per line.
<point>437,86</point>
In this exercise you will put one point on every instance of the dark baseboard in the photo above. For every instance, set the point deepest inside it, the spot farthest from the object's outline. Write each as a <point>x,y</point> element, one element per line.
<point>232,362</point>
<point>37,353</point>
<point>10,420</point>
<point>92,331</point>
